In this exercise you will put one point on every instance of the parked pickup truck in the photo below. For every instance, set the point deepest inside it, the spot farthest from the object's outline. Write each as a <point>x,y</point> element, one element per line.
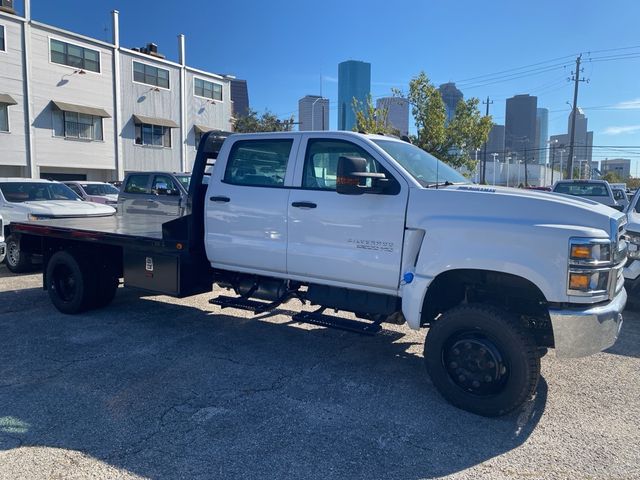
<point>3,245</point>
<point>375,226</point>
<point>632,268</point>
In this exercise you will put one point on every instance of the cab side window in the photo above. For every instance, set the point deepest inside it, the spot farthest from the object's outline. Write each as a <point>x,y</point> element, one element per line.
<point>137,184</point>
<point>261,163</point>
<point>321,163</point>
<point>164,185</point>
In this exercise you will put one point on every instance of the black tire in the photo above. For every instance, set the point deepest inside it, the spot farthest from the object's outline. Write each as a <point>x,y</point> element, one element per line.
<point>70,283</point>
<point>108,282</point>
<point>482,360</point>
<point>16,260</point>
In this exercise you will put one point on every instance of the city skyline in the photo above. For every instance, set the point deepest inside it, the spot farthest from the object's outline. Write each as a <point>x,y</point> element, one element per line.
<point>611,99</point>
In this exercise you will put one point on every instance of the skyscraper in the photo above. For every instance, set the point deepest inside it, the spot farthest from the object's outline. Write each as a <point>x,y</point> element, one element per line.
<point>583,141</point>
<point>451,96</point>
<point>520,127</point>
<point>313,113</point>
<point>542,135</point>
<point>495,144</point>
<point>397,112</point>
<point>354,81</point>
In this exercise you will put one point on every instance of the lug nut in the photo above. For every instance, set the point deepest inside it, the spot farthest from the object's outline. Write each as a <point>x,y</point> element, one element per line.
<point>475,384</point>
<point>456,351</point>
<point>487,378</point>
<point>453,365</point>
<point>461,378</point>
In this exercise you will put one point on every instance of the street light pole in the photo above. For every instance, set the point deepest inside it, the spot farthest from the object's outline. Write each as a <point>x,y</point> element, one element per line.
<point>508,160</point>
<point>494,155</point>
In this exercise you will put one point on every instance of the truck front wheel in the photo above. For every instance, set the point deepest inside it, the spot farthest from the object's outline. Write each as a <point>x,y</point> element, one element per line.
<point>69,283</point>
<point>482,360</point>
<point>17,261</point>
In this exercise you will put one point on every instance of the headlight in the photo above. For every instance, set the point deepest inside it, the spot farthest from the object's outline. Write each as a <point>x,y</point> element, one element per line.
<point>588,281</point>
<point>589,251</point>
<point>633,242</point>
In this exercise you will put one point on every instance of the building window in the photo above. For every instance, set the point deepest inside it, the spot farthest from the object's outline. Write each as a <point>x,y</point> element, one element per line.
<point>77,125</point>
<point>3,45</point>
<point>143,73</point>
<point>205,89</point>
<point>4,118</point>
<point>75,56</point>
<point>155,135</point>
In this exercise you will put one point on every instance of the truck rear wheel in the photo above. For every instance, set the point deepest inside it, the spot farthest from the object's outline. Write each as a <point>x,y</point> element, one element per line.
<point>17,261</point>
<point>70,284</point>
<point>482,360</point>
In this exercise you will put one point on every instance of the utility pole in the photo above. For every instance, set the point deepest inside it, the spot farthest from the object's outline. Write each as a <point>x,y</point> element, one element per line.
<point>576,78</point>
<point>484,156</point>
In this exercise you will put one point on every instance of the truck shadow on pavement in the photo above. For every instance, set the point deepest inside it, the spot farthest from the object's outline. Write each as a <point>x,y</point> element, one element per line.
<point>168,390</point>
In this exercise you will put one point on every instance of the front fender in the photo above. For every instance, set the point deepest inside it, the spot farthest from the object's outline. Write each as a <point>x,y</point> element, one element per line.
<point>537,253</point>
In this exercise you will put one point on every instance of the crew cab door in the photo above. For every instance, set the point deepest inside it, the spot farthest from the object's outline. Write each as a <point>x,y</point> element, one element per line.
<point>349,240</point>
<point>246,204</point>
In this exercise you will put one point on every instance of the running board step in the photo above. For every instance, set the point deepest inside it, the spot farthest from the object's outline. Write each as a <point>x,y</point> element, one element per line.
<point>330,321</point>
<point>240,303</point>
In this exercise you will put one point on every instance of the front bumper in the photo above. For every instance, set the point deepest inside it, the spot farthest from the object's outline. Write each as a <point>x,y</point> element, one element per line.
<point>579,332</point>
<point>3,251</point>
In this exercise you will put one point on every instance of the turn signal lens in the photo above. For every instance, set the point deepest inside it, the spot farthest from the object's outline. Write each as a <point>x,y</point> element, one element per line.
<point>579,281</point>
<point>581,251</point>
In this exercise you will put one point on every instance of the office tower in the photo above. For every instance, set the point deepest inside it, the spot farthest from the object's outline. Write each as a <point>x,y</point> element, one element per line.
<point>354,81</point>
<point>397,112</point>
<point>313,113</point>
<point>520,127</point>
<point>451,96</point>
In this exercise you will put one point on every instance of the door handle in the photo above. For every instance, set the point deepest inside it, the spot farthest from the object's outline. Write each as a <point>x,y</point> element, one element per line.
<point>220,199</point>
<point>304,205</point>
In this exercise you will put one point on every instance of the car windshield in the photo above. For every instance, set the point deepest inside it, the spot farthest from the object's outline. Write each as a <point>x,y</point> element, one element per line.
<point>99,189</point>
<point>18,192</point>
<point>184,180</point>
<point>422,166</point>
<point>582,189</point>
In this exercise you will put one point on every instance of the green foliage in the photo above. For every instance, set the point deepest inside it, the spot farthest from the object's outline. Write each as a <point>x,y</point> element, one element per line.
<point>370,119</point>
<point>633,183</point>
<point>455,142</point>
<point>267,122</point>
<point>612,177</point>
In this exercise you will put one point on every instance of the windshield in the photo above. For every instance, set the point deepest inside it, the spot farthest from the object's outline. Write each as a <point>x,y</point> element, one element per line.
<point>99,189</point>
<point>184,180</point>
<point>582,189</point>
<point>422,166</point>
<point>16,192</point>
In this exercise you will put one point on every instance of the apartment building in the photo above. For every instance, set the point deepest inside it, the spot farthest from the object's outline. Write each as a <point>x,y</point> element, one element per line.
<point>74,107</point>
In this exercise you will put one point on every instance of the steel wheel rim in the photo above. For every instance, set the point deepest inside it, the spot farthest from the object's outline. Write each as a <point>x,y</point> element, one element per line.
<point>475,363</point>
<point>13,253</point>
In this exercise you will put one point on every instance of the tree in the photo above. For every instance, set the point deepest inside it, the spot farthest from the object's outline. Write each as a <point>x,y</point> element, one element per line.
<point>370,119</point>
<point>267,122</point>
<point>612,177</point>
<point>452,142</point>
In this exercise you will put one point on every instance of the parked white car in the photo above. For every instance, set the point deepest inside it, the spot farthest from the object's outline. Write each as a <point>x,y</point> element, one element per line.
<point>34,199</point>
<point>98,192</point>
<point>3,245</point>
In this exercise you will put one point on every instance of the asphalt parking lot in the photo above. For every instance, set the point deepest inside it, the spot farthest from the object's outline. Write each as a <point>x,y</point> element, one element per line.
<point>154,387</point>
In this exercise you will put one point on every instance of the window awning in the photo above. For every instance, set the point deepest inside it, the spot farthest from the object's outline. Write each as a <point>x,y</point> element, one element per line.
<point>70,107</point>
<point>162,122</point>
<point>203,128</point>
<point>7,99</point>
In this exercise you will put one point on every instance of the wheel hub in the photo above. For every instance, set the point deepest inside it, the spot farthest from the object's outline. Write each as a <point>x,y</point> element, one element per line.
<point>475,364</point>
<point>13,253</point>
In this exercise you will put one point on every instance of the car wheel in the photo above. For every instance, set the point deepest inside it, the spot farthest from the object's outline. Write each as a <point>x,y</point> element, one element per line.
<point>17,261</point>
<point>481,359</point>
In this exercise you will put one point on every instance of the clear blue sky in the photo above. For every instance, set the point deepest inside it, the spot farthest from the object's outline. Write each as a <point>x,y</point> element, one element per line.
<point>283,47</point>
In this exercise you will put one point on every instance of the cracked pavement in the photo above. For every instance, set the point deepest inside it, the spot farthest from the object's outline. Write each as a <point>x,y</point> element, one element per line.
<point>155,387</point>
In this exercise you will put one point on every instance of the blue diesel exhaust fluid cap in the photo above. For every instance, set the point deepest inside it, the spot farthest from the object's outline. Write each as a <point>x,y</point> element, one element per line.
<point>407,277</point>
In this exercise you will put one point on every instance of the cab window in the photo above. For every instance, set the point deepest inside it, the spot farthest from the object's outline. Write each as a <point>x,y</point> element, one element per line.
<point>321,163</point>
<point>164,185</point>
<point>137,184</point>
<point>260,163</point>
